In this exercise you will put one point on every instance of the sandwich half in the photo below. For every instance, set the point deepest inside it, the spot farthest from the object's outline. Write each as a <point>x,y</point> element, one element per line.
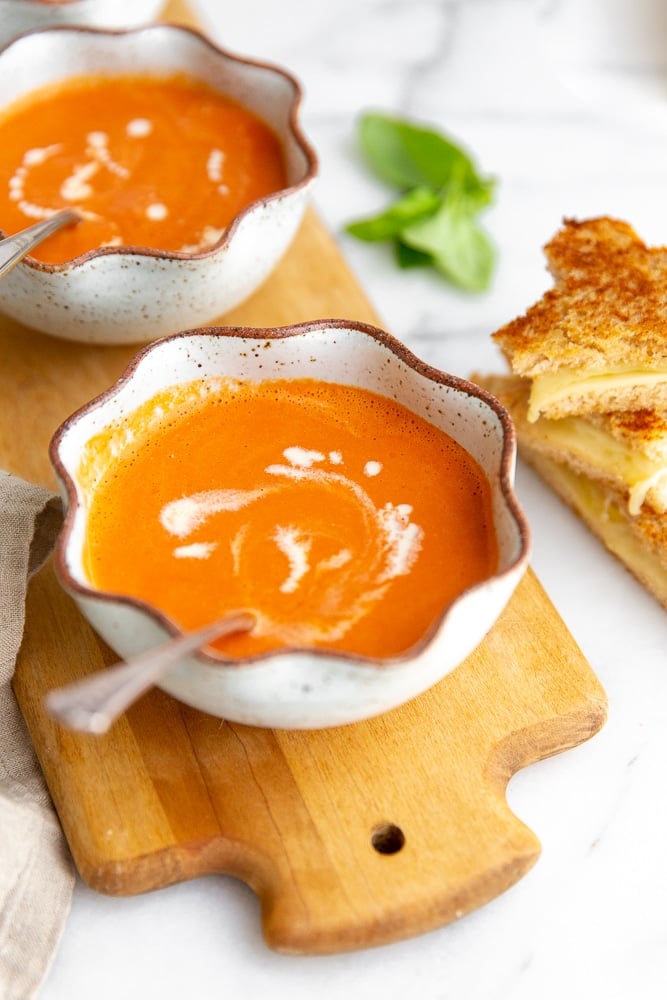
<point>596,472</point>
<point>640,542</point>
<point>596,342</point>
<point>626,450</point>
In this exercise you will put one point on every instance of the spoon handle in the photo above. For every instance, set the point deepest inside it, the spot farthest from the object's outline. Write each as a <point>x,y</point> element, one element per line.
<point>92,704</point>
<point>14,248</point>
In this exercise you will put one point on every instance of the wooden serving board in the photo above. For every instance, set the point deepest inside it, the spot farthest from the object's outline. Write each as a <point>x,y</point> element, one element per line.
<point>351,837</point>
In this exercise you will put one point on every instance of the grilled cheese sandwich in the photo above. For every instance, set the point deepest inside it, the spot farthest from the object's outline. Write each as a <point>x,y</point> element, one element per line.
<point>588,389</point>
<point>626,451</point>
<point>639,542</point>
<point>597,341</point>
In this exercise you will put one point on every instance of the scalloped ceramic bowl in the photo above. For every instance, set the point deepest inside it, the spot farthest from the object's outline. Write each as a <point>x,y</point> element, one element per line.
<point>18,16</point>
<point>302,689</point>
<point>120,295</point>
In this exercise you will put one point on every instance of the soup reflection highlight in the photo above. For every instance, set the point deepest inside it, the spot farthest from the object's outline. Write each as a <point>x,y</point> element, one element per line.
<point>336,516</point>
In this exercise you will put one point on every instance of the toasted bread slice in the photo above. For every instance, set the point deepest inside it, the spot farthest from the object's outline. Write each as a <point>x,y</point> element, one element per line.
<point>639,542</point>
<point>597,341</point>
<point>626,451</point>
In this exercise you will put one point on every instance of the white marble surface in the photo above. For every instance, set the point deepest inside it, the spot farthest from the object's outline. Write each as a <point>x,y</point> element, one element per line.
<point>565,101</point>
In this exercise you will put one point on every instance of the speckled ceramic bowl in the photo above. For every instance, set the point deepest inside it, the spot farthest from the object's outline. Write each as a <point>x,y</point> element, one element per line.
<point>17,16</point>
<point>302,688</point>
<point>134,294</point>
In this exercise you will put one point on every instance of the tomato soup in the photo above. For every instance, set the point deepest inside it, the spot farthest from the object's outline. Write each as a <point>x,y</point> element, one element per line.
<point>336,516</point>
<point>164,163</point>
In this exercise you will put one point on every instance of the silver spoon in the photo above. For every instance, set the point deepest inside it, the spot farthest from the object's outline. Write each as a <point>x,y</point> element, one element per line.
<point>92,704</point>
<point>14,248</point>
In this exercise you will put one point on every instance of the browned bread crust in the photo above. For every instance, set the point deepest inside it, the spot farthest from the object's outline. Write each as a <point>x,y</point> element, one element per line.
<point>644,429</point>
<point>608,308</point>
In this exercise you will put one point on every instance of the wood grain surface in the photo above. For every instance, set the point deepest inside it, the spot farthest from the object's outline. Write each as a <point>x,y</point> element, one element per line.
<point>351,837</point>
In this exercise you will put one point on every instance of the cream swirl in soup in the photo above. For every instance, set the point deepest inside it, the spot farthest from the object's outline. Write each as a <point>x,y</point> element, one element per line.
<point>164,163</point>
<point>335,515</point>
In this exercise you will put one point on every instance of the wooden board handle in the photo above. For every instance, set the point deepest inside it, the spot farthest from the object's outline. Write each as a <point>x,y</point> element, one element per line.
<point>295,814</point>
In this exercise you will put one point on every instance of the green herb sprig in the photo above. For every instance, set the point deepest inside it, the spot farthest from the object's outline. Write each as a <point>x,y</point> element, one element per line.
<point>434,221</point>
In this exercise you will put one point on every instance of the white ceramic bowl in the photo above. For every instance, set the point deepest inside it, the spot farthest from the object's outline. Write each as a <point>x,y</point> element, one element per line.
<point>132,295</point>
<point>302,689</point>
<point>17,16</point>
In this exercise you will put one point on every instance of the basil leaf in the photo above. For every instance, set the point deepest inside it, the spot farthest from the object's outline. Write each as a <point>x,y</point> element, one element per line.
<point>407,155</point>
<point>479,195</point>
<point>459,248</point>
<point>381,142</point>
<point>434,222</point>
<point>414,206</point>
<point>407,257</point>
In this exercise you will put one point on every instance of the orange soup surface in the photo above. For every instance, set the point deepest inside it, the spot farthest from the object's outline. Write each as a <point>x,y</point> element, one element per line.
<point>336,516</point>
<point>164,163</point>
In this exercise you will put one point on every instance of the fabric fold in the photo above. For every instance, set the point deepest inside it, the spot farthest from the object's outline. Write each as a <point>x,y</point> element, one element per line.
<point>36,870</point>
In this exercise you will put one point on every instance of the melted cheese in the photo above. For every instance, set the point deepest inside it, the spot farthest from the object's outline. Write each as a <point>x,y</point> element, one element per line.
<point>603,517</point>
<point>614,458</point>
<point>552,388</point>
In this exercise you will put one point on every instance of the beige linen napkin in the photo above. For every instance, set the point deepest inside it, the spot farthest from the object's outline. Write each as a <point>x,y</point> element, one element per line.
<point>36,871</point>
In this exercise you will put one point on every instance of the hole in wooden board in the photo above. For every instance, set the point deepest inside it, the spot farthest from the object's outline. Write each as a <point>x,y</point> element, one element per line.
<point>387,838</point>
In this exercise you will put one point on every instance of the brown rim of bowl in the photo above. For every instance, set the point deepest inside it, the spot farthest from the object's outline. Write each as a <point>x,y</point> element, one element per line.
<point>402,353</point>
<point>294,126</point>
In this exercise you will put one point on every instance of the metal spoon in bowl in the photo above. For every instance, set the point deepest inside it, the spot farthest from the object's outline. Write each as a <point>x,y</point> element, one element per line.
<point>92,704</point>
<point>14,248</point>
